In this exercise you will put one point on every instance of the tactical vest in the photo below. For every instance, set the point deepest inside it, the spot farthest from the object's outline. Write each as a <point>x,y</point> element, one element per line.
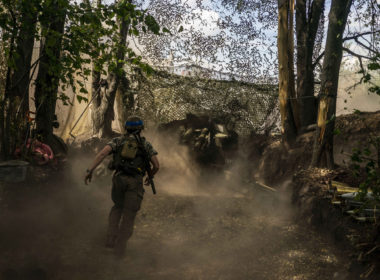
<point>129,157</point>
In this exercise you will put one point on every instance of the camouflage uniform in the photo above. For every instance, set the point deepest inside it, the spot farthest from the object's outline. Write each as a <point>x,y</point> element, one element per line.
<point>127,195</point>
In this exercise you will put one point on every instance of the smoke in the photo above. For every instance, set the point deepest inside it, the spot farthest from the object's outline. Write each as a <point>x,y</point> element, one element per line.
<point>178,173</point>
<point>200,225</point>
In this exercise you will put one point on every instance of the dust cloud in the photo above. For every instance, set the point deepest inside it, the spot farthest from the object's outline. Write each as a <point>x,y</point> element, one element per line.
<point>355,98</point>
<point>178,173</point>
<point>226,229</point>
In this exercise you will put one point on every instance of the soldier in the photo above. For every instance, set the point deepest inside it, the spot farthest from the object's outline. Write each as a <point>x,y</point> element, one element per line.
<point>131,155</point>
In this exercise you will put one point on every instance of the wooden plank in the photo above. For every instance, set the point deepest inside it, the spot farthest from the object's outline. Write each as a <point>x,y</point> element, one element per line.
<point>343,188</point>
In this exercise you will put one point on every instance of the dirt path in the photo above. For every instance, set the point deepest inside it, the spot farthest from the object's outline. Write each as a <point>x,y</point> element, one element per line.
<point>58,233</point>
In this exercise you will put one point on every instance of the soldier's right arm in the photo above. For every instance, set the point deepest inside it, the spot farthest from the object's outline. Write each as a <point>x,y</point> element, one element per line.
<point>155,164</point>
<point>98,159</point>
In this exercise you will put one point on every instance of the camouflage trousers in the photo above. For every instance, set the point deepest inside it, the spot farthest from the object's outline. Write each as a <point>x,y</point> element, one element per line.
<point>127,195</point>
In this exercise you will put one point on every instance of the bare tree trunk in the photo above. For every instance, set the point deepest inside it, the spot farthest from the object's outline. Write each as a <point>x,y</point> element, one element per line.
<point>24,48</point>
<point>95,89</point>
<point>20,74</point>
<point>48,77</point>
<point>5,105</point>
<point>324,137</point>
<point>291,84</point>
<point>289,130</point>
<point>306,29</point>
<point>15,104</point>
<point>103,111</point>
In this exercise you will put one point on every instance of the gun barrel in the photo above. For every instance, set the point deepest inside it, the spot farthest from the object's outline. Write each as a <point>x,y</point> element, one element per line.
<point>153,186</point>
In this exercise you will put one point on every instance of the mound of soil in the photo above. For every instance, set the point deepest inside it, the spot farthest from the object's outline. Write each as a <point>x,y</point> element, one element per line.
<point>313,199</point>
<point>310,191</point>
<point>276,163</point>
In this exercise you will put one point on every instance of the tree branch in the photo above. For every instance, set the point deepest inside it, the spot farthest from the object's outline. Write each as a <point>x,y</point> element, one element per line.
<point>318,59</point>
<point>27,71</point>
<point>355,54</point>
<point>364,46</point>
<point>359,57</point>
<point>353,37</point>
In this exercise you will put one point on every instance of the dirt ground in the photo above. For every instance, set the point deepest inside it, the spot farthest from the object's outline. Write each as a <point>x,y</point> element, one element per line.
<point>56,230</point>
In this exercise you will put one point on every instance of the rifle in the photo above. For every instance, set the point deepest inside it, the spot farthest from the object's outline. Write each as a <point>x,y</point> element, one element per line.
<point>147,162</point>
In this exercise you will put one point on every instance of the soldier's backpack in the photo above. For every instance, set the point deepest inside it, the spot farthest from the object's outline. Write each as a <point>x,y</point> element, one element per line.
<point>129,157</point>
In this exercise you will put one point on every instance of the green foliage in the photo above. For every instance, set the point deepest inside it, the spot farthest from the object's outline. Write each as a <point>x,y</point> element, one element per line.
<point>362,162</point>
<point>81,98</point>
<point>91,34</point>
<point>365,161</point>
<point>337,131</point>
<point>373,66</point>
<point>366,157</point>
<point>166,30</point>
<point>371,75</point>
<point>374,89</point>
<point>152,24</point>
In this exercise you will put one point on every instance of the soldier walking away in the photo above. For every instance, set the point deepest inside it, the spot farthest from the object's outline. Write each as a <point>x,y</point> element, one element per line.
<point>132,159</point>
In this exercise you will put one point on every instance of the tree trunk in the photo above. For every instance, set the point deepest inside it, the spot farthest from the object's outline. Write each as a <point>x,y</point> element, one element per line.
<point>6,103</point>
<point>288,125</point>
<point>24,48</point>
<point>20,74</point>
<point>96,87</point>
<point>103,111</point>
<point>15,105</point>
<point>125,101</point>
<point>291,83</point>
<point>48,77</point>
<point>324,137</point>
<point>306,30</point>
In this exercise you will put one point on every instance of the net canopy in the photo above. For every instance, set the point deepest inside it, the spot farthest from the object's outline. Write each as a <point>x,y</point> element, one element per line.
<point>163,97</point>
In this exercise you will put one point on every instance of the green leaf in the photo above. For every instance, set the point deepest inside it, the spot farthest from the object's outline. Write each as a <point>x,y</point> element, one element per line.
<point>373,66</point>
<point>180,29</point>
<point>337,131</point>
<point>367,78</point>
<point>375,89</point>
<point>165,30</point>
<point>79,98</point>
<point>367,151</point>
<point>152,24</point>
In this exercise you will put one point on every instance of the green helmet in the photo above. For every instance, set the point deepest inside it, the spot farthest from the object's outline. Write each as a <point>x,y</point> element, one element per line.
<point>134,123</point>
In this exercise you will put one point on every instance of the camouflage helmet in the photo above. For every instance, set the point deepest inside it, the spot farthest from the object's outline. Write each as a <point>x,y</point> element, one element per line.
<point>134,123</point>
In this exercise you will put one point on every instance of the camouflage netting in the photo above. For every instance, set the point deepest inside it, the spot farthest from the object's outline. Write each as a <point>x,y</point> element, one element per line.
<point>164,97</point>
<point>243,107</point>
